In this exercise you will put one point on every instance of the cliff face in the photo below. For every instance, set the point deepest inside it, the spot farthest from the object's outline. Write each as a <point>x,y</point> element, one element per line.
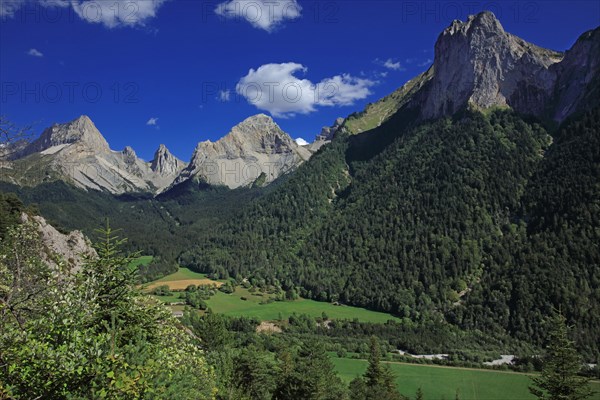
<point>478,64</point>
<point>256,147</point>
<point>578,85</point>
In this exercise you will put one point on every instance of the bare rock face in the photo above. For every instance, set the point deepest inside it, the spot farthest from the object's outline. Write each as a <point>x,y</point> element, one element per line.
<point>165,163</point>
<point>77,152</point>
<point>328,132</point>
<point>255,148</point>
<point>478,64</point>
<point>81,130</point>
<point>326,135</point>
<point>72,248</point>
<point>578,84</point>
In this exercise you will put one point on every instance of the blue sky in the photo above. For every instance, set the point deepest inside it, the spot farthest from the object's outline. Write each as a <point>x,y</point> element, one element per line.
<point>181,71</point>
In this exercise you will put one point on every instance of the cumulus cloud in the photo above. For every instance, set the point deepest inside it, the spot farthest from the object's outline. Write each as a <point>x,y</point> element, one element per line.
<point>152,122</point>
<point>276,88</point>
<point>261,14</point>
<point>35,53</point>
<point>224,95</point>
<point>112,14</point>
<point>301,142</point>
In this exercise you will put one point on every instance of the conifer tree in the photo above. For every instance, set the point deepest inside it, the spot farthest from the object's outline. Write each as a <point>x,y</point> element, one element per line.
<point>559,379</point>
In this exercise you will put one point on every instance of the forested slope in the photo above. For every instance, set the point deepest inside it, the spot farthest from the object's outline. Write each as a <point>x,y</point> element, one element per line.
<point>479,219</point>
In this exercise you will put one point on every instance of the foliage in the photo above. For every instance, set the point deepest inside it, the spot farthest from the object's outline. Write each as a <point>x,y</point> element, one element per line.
<point>89,333</point>
<point>378,381</point>
<point>559,379</point>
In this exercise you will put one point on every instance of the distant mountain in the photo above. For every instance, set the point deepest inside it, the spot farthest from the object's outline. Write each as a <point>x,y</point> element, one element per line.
<point>256,150</point>
<point>77,152</point>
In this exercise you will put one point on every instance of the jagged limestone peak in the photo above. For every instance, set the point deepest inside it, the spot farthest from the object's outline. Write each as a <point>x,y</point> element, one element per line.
<point>81,130</point>
<point>478,64</point>
<point>165,163</point>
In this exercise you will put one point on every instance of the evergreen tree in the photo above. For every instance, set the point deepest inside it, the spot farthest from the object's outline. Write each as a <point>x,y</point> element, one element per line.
<point>419,395</point>
<point>378,381</point>
<point>559,379</point>
<point>312,378</point>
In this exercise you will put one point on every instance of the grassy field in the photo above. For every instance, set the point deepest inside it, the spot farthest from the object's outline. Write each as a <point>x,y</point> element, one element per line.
<point>181,280</point>
<point>439,382</point>
<point>142,260</point>
<point>232,304</point>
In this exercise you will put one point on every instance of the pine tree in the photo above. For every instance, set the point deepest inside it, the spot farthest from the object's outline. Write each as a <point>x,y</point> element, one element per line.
<point>419,395</point>
<point>559,379</point>
<point>379,380</point>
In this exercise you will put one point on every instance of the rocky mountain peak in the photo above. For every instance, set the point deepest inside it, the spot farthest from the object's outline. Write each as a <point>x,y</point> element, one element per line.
<point>254,147</point>
<point>165,163</point>
<point>129,155</point>
<point>258,133</point>
<point>485,20</point>
<point>478,64</point>
<point>81,130</point>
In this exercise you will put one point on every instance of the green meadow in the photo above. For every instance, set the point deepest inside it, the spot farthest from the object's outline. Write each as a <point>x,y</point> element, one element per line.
<point>141,260</point>
<point>244,302</point>
<point>181,275</point>
<point>233,304</point>
<point>438,382</point>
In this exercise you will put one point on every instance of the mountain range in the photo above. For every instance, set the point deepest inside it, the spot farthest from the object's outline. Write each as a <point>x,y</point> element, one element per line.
<point>76,152</point>
<point>477,64</point>
<point>469,195</point>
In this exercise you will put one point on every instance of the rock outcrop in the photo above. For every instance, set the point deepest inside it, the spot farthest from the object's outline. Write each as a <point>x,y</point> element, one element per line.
<point>72,248</point>
<point>165,163</point>
<point>578,84</point>
<point>480,65</point>
<point>326,135</point>
<point>255,149</point>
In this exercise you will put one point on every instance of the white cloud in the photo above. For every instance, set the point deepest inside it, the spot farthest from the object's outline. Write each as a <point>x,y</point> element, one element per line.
<point>390,64</point>
<point>112,14</point>
<point>261,14</point>
<point>152,122</point>
<point>301,142</point>
<point>425,63</point>
<point>35,53</point>
<point>276,89</point>
<point>224,95</point>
